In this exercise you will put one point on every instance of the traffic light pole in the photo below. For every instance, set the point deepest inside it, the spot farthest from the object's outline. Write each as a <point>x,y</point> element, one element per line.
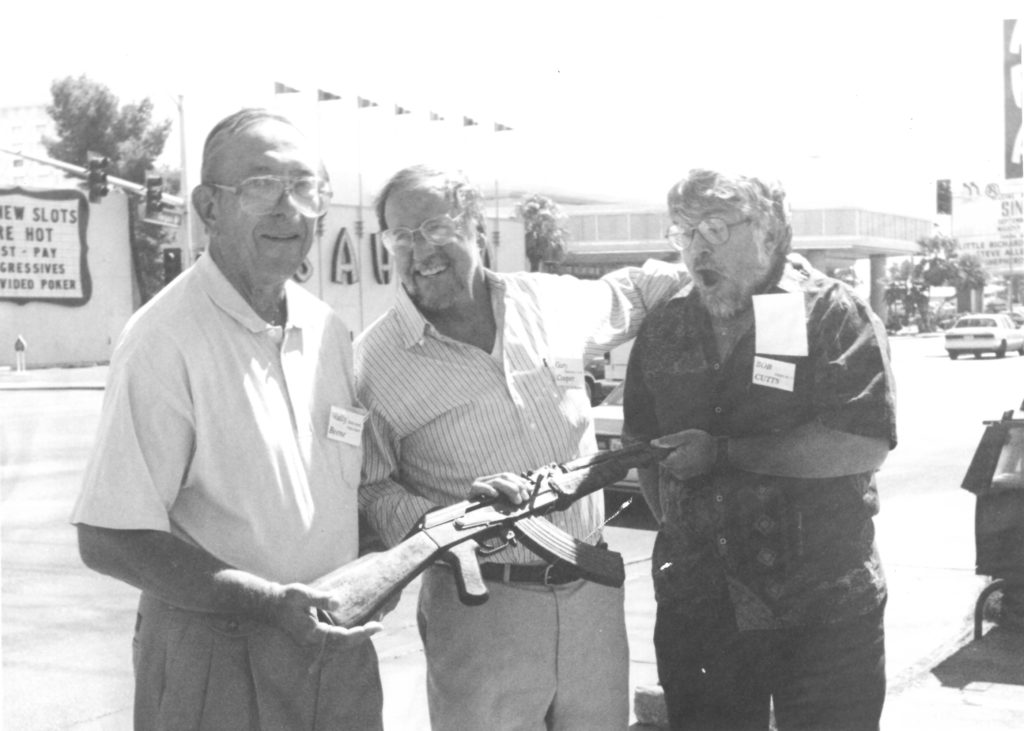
<point>80,172</point>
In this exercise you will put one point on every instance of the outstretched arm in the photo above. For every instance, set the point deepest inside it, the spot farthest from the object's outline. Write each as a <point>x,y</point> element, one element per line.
<point>811,450</point>
<point>188,577</point>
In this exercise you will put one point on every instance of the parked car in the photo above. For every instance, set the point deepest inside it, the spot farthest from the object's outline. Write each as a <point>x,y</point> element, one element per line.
<point>977,334</point>
<point>608,427</point>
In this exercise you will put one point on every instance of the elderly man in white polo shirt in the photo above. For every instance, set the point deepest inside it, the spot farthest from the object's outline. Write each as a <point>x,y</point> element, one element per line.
<point>215,486</point>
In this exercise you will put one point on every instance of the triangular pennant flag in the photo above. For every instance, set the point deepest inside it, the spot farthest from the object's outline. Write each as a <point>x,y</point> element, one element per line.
<point>325,96</point>
<point>498,127</point>
<point>280,88</point>
<point>402,110</point>
<point>467,122</point>
<point>435,117</point>
<point>364,103</point>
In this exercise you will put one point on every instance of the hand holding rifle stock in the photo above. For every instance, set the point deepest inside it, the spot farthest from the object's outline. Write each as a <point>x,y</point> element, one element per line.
<point>362,587</point>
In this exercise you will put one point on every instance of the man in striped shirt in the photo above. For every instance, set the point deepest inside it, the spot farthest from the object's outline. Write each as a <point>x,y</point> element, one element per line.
<point>477,373</point>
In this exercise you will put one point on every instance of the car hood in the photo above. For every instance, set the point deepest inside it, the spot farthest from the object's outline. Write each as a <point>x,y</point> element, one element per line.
<point>607,419</point>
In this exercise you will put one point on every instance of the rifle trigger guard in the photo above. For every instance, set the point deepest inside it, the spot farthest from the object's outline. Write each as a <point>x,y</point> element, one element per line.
<point>509,540</point>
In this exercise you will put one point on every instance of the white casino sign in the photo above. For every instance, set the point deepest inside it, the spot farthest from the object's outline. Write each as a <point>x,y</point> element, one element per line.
<point>988,220</point>
<point>43,247</point>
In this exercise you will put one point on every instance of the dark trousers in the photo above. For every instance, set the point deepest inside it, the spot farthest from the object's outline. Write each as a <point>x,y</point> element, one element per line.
<point>821,677</point>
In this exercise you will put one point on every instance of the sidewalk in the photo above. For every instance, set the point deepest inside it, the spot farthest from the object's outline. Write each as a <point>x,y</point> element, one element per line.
<point>90,377</point>
<point>980,685</point>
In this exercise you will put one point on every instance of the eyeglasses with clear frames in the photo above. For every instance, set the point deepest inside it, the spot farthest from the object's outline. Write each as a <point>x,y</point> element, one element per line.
<point>443,230</point>
<point>716,231</point>
<point>259,195</point>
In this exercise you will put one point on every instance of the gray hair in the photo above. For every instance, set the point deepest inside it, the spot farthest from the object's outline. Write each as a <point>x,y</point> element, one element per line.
<point>460,194</point>
<point>230,126</point>
<point>701,190</point>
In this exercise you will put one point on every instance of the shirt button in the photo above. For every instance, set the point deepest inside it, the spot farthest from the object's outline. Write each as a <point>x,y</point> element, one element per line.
<point>718,409</point>
<point>721,541</point>
<point>715,366</point>
<point>718,498</point>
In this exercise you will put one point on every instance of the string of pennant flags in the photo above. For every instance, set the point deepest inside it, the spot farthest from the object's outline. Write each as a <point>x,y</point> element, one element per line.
<point>399,110</point>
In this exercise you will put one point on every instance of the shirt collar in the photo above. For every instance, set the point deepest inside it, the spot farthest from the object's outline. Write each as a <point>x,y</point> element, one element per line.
<point>795,274</point>
<point>414,326</point>
<point>226,297</point>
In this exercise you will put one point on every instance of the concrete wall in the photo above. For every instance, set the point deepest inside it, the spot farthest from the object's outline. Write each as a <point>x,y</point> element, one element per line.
<point>60,334</point>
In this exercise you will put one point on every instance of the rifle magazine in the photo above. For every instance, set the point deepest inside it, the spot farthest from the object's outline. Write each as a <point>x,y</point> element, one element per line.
<point>599,565</point>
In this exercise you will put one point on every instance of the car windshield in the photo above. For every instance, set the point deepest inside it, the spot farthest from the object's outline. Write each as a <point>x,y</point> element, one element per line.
<point>976,322</point>
<point>614,397</point>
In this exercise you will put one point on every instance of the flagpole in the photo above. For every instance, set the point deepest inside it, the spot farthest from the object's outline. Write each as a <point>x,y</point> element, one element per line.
<point>496,236</point>
<point>359,205</point>
<point>318,228</point>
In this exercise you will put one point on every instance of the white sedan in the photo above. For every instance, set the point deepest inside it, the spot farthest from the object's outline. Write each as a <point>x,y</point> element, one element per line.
<point>979,334</point>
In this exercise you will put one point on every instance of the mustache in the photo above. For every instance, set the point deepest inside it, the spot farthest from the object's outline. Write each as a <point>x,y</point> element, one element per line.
<point>429,261</point>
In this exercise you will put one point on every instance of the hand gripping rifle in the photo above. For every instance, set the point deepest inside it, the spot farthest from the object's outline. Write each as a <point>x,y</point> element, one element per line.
<point>365,585</point>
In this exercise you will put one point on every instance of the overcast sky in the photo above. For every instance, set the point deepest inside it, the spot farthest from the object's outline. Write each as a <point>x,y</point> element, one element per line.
<point>865,106</point>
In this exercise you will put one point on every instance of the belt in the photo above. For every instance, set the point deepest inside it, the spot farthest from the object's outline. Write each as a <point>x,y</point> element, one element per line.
<point>516,573</point>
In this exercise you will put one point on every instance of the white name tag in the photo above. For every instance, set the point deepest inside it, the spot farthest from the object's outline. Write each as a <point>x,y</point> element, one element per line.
<point>774,373</point>
<point>568,372</point>
<point>346,425</point>
<point>780,325</point>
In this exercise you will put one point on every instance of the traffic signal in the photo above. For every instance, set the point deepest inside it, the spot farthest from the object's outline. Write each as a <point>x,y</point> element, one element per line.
<point>97,179</point>
<point>154,196</point>
<point>172,264</point>
<point>943,197</point>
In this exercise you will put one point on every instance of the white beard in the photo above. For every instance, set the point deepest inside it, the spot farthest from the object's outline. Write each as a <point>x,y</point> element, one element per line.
<point>723,308</point>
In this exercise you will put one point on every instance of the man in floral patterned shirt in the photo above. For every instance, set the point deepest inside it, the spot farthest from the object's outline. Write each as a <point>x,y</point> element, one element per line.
<point>773,384</point>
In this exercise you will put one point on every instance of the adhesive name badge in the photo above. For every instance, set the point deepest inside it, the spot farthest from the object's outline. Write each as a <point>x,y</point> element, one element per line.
<point>568,372</point>
<point>774,373</point>
<point>346,425</point>
<point>780,325</point>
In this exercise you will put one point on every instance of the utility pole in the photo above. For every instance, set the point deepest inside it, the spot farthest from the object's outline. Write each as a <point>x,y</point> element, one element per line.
<point>186,225</point>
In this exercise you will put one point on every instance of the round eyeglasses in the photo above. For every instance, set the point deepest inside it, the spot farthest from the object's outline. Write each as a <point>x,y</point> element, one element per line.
<point>259,195</point>
<point>443,230</point>
<point>714,230</point>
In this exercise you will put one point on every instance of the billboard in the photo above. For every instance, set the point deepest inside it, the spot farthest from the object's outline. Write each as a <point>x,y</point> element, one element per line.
<point>43,247</point>
<point>1013,93</point>
<point>988,220</point>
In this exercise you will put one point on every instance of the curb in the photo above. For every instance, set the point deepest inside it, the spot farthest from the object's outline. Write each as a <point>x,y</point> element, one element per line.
<point>51,387</point>
<point>649,706</point>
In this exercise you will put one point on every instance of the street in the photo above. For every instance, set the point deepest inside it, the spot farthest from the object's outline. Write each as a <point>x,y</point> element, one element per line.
<point>66,632</point>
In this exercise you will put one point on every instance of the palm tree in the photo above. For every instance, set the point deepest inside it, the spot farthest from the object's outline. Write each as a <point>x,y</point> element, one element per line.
<point>545,237</point>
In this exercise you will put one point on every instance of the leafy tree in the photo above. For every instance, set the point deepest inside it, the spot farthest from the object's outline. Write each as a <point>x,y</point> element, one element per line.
<point>941,264</point>
<point>89,118</point>
<point>944,265</point>
<point>545,237</point>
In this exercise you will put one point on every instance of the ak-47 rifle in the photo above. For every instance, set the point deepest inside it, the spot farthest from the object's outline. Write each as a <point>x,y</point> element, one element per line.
<point>364,586</point>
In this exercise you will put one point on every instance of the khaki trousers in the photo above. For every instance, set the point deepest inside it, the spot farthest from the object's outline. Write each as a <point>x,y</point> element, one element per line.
<point>532,657</point>
<point>220,672</point>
